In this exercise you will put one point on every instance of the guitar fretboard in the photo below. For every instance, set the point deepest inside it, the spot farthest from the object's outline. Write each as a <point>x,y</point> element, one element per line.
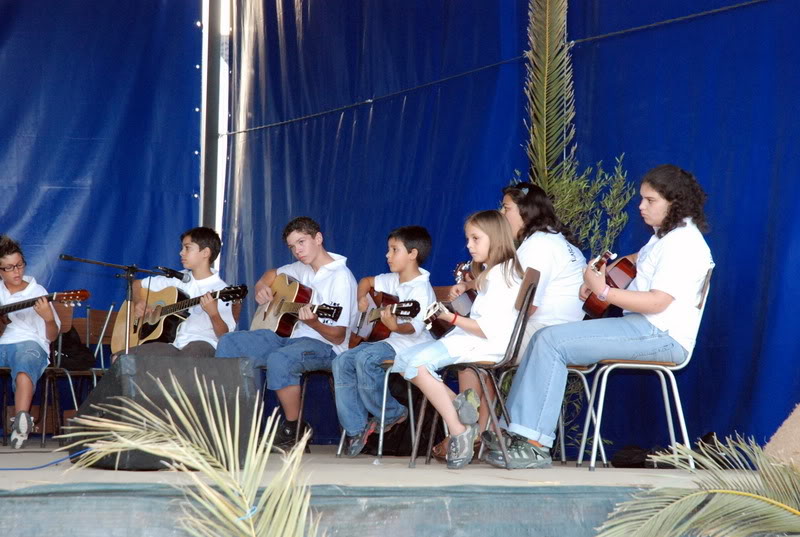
<point>184,304</point>
<point>294,307</point>
<point>375,314</point>
<point>23,304</point>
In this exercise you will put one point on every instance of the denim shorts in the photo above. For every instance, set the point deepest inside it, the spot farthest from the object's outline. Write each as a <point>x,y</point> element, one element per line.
<point>24,357</point>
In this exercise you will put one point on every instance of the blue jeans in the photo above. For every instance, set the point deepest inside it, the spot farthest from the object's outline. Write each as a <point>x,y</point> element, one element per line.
<point>358,377</point>
<point>534,402</point>
<point>23,357</point>
<point>286,359</point>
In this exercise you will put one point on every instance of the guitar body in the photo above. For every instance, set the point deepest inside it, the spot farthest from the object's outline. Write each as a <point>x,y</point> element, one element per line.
<point>269,316</point>
<point>461,305</point>
<point>379,330</point>
<point>153,327</point>
<point>619,276</point>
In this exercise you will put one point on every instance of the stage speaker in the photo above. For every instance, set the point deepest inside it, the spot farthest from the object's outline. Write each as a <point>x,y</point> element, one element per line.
<point>133,376</point>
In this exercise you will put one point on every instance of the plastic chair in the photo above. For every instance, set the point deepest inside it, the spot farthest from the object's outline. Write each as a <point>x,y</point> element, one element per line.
<point>659,368</point>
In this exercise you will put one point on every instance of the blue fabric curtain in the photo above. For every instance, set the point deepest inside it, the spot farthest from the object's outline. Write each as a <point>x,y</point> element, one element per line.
<point>370,115</point>
<point>100,133</point>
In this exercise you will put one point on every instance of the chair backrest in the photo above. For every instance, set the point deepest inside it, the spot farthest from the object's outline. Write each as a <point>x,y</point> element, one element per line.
<point>701,305</point>
<point>527,290</point>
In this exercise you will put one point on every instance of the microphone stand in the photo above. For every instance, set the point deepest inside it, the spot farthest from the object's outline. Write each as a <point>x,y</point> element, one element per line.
<point>129,274</point>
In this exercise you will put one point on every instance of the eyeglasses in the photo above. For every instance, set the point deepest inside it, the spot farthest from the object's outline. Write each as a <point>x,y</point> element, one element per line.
<point>12,268</point>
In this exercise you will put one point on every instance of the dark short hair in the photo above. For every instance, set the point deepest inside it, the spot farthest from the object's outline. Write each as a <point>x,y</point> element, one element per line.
<point>685,195</point>
<point>413,237</point>
<point>205,237</point>
<point>301,224</point>
<point>9,246</point>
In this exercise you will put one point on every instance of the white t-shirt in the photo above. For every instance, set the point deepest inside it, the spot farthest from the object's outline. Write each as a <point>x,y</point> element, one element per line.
<point>26,325</point>
<point>197,327</point>
<point>560,265</point>
<point>332,284</point>
<point>494,311</point>
<point>676,264</point>
<point>418,289</point>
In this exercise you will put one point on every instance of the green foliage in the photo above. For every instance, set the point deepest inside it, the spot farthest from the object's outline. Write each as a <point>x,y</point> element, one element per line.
<point>591,204</point>
<point>226,495</point>
<point>741,492</point>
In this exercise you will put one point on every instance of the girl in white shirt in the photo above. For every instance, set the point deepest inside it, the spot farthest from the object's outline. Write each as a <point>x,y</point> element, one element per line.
<point>482,336</point>
<point>547,245</point>
<point>660,322</point>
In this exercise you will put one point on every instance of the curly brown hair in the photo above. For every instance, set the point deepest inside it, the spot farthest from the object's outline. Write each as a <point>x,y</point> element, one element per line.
<point>685,195</point>
<point>9,246</point>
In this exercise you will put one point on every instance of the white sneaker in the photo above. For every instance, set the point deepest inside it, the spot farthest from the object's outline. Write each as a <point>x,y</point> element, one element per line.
<point>20,429</point>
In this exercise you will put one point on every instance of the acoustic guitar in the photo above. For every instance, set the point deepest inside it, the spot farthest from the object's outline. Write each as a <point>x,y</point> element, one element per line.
<point>619,276</point>
<point>168,312</point>
<point>69,298</point>
<point>462,304</point>
<point>370,328</point>
<point>289,295</point>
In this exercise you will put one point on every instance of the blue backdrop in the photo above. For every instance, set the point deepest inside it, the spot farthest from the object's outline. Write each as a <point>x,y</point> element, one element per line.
<point>369,115</point>
<point>97,153</point>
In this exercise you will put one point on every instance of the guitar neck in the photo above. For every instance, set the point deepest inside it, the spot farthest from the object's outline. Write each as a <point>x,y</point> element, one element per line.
<point>184,304</point>
<point>23,304</point>
<point>294,307</point>
<point>375,314</point>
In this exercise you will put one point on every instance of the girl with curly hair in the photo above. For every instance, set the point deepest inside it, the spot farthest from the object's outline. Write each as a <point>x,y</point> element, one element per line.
<point>660,320</point>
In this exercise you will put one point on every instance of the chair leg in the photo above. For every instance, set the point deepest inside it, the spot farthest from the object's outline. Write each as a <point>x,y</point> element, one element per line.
<point>341,444</point>
<point>598,421</point>
<point>562,444</point>
<point>494,420</point>
<point>681,420</point>
<point>589,417</point>
<point>6,387</point>
<point>429,454</point>
<point>43,408</point>
<point>383,411</point>
<point>593,417</point>
<point>303,383</point>
<point>412,463</point>
<point>411,410</point>
<point>668,410</point>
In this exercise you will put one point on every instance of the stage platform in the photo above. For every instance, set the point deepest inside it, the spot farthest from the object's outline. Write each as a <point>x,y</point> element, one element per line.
<point>358,497</point>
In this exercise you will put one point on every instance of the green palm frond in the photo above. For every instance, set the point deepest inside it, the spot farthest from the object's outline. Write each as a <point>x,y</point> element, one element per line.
<point>225,495</point>
<point>592,205</point>
<point>740,492</point>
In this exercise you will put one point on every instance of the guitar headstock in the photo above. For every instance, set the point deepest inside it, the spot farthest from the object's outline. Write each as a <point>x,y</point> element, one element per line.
<point>72,298</point>
<point>233,293</point>
<point>408,308</point>
<point>433,312</point>
<point>463,272</point>
<point>326,311</point>
<point>598,262</point>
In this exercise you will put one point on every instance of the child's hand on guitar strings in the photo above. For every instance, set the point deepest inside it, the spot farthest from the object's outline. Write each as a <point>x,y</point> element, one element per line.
<point>594,279</point>
<point>209,304</point>
<point>305,314</point>
<point>389,319</point>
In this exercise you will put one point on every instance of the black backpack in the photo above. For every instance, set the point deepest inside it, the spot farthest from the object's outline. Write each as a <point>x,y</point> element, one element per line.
<point>75,356</point>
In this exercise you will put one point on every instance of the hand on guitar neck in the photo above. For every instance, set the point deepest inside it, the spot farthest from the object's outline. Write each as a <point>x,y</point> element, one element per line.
<point>598,282</point>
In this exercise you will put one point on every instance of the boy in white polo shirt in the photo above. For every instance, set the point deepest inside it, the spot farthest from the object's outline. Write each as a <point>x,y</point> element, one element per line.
<point>357,373</point>
<point>315,342</point>
<point>26,335</point>
<point>198,334</point>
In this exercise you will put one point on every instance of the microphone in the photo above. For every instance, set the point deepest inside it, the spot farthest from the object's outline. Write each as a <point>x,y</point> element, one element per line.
<point>185,277</point>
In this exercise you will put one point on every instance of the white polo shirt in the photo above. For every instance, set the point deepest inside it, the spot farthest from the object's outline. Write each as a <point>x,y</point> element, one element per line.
<point>197,327</point>
<point>418,289</point>
<point>332,284</point>
<point>560,265</point>
<point>676,264</point>
<point>26,325</point>
<point>494,311</point>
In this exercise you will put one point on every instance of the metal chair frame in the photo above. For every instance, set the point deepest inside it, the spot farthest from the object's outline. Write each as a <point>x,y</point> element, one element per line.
<point>661,369</point>
<point>489,370</point>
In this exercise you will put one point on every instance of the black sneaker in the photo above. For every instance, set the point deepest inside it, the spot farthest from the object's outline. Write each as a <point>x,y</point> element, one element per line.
<point>521,454</point>
<point>286,434</point>
<point>355,444</point>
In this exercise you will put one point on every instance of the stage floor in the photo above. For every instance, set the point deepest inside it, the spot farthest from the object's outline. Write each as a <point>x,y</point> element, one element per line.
<point>323,468</point>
